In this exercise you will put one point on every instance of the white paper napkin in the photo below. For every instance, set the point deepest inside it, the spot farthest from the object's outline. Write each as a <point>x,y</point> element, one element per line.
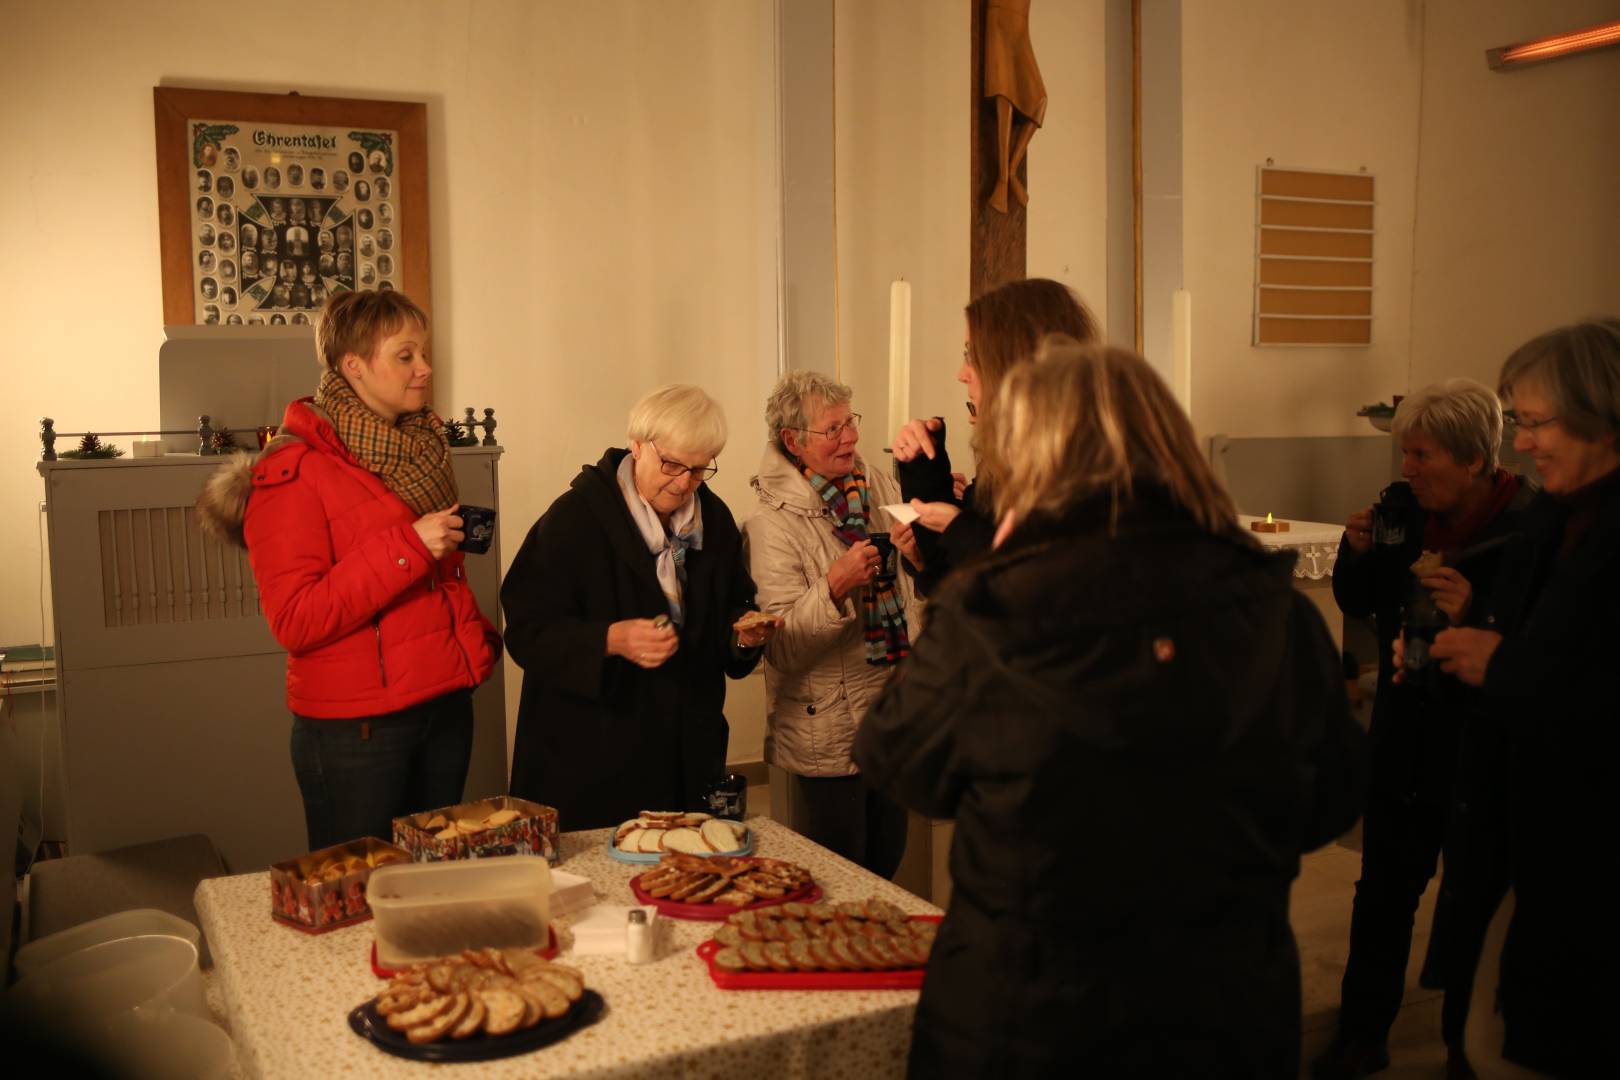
<point>601,932</point>
<point>901,512</point>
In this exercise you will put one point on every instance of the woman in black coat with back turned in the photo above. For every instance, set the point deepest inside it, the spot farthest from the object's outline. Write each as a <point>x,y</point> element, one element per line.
<point>621,710</point>
<point>1139,725</point>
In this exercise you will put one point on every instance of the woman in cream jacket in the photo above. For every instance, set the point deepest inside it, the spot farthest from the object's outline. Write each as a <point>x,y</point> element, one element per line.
<point>845,627</point>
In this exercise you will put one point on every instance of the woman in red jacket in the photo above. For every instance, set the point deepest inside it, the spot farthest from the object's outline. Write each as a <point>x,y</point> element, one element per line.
<point>349,518</point>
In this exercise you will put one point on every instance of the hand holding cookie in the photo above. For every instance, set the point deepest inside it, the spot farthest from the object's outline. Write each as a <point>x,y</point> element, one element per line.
<point>756,628</point>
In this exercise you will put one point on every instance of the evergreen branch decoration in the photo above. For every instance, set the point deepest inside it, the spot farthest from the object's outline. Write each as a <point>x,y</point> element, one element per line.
<point>208,135</point>
<point>91,446</point>
<point>376,140</point>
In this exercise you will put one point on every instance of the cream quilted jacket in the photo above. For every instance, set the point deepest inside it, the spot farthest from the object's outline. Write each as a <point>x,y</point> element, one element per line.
<point>818,684</point>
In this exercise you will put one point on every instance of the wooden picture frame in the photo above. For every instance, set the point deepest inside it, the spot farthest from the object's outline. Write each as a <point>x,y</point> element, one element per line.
<point>220,148</point>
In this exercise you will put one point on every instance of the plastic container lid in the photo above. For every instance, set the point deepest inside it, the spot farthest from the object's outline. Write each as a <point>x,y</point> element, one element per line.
<point>424,911</point>
<point>152,973</point>
<point>123,924</point>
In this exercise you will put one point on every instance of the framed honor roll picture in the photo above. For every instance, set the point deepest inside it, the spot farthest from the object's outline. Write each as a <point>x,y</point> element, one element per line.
<point>270,203</point>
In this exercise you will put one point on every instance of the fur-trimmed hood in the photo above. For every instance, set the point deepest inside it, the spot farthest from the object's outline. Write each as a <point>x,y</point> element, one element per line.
<point>222,506</point>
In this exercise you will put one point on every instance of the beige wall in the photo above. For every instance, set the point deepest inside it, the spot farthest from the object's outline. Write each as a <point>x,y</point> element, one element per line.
<point>902,85</point>
<point>902,156</point>
<point>1518,211</point>
<point>1319,84</point>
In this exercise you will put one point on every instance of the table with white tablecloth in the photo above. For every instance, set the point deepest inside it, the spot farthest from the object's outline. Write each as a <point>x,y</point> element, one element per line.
<point>288,994</point>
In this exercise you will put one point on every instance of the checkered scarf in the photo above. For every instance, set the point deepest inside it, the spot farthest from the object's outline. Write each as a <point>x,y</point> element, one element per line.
<point>883,616</point>
<point>411,457</point>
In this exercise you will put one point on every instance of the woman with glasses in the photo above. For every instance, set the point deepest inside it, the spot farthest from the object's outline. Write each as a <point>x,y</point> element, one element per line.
<point>620,609</point>
<point>1139,725</point>
<point>1550,684</point>
<point>1003,328</point>
<point>815,546</point>
<point>1436,778</point>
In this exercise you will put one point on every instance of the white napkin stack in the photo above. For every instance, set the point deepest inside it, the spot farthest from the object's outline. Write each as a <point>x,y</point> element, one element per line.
<point>602,931</point>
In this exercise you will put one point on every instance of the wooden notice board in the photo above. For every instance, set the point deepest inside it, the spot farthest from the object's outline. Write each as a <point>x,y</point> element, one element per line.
<point>1313,257</point>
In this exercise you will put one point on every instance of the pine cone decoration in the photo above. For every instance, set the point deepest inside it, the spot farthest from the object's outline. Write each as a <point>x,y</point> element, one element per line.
<point>223,441</point>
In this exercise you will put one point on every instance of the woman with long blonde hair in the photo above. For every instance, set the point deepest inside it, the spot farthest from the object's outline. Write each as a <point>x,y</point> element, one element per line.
<point>1139,725</point>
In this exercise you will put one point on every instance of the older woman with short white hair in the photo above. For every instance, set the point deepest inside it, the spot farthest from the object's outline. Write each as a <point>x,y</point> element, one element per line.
<point>621,609</point>
<point>815,548</point>
<point>1437,778</point>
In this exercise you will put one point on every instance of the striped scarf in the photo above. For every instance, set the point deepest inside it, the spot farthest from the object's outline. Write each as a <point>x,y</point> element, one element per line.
<point>412,457</point>
<point>883,617</point>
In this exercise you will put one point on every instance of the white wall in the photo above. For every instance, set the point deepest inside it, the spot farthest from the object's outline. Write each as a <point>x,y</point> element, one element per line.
<point>1068,159</point>
<point>903,132</point>
<point>1319,84</point>
<point>1518,209</point>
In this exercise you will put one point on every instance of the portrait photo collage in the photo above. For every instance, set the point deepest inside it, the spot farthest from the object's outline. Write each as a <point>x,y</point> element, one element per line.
<point>284,216</point>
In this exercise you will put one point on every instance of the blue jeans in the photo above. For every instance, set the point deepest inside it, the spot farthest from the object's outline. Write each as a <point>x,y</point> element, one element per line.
<point>356,776</point>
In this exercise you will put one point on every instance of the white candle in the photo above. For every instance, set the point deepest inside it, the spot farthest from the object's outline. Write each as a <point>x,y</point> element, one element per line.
<point>899,356</point>
<point>1181,348</point>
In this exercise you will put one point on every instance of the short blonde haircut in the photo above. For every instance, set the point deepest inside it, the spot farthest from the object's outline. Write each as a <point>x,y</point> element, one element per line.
<point>680,418</point>
<point>1462,415</point>
<point>1578,368</point>
<point>1089,420</point>
<point>794,399</point>
<point>359,321</point>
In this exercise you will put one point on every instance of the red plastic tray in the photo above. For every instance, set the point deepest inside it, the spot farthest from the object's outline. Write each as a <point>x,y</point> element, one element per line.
<point>547,953</point>
<point>717,912</point>
<point>894,979</point>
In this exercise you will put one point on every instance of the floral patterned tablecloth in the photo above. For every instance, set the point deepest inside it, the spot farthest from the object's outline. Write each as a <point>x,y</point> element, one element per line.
<point>288,994</point>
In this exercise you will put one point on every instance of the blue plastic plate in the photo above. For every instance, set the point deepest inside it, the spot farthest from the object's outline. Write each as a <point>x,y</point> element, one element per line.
<point>654,856</point>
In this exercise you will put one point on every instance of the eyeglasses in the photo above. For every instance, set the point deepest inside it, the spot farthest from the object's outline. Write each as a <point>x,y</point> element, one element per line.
<point>836,431</point>
<point>1531,426</point>
<point>700,473</point>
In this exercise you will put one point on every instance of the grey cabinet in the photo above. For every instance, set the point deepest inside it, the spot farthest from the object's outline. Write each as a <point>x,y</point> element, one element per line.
<point>171,690</point>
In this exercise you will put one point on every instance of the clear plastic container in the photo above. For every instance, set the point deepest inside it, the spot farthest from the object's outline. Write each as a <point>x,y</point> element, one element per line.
<point>424,911</point>
<point>152,973</point>
<point>156,1047</point>
<point>123,924</point>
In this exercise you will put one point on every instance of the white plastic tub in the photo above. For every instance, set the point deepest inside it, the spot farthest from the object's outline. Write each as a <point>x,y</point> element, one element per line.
<point>424,911</point>
<point>151,973</point>
<point>133,923</point>
<point>164,1045</point>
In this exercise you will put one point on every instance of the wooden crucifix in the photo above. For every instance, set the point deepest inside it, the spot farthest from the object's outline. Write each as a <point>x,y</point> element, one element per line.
<point>1008,106</point>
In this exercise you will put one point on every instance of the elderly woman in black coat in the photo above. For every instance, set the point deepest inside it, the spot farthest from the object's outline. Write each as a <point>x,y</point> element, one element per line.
<point>621,609</point>
<point>1550,687</point>
<point>1139,725</point>
<point>1437,777</point>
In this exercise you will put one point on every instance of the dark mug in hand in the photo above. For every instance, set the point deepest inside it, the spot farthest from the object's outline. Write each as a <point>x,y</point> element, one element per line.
<point>478,522</point>
<point>727,796</point>
<point>886,563</point>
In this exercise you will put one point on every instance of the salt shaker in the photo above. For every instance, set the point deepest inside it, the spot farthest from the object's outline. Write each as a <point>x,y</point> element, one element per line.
<point>638,942</point>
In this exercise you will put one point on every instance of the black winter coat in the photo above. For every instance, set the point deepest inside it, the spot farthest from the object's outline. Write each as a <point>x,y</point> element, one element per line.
<point>1432,743</point>
<point>964,539</point>
<point>1416,724</point>
<point>1138,735</point>
<point>1552,688</point>
<point>599,737</point>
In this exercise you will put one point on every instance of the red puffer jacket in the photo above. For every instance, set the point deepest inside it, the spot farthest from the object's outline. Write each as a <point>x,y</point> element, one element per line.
<point>371,622</point>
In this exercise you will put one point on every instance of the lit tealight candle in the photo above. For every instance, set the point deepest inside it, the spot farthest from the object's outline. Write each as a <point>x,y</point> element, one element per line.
<point>1269,525</point>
